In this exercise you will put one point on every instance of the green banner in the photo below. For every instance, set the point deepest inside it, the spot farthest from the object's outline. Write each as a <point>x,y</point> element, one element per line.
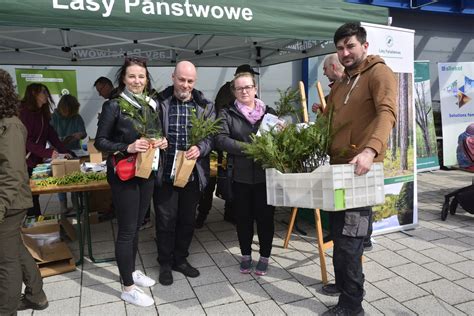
<point>426,148</point>
<point>401,179</point>
<point>59,82</point>
<point>300,19</point>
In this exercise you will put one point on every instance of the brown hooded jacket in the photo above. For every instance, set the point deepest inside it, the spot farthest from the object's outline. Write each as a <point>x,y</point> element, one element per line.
<point>365,110</point>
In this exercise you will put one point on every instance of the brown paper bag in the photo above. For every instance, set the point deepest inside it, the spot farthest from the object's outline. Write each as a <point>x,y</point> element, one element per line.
<point>184,168</point>
<point>144,163</point>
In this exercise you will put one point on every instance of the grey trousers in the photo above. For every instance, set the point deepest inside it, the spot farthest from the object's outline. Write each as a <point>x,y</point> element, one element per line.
<point>16,266</point>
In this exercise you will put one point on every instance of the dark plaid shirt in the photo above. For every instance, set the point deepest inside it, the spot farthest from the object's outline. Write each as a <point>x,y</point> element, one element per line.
<point>178,131</point>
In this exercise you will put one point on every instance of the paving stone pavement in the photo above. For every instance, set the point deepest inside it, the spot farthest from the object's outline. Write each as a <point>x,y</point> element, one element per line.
<point>426,271</point>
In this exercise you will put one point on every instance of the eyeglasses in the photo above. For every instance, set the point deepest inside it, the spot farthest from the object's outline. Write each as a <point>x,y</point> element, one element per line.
<point>246,88</point>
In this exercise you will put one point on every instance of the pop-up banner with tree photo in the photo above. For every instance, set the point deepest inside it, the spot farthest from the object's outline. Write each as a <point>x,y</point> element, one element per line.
<point>426,148</point>
<point>395,46</point>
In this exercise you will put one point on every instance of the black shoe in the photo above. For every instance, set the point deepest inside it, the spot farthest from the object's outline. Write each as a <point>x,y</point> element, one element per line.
<point>230,219</point>
<point>166,277</point>
<point>368,246</point>
<point>186,269</point>
<point>199,222</point>
<point>342,311</point>
<point>330,289</point>
<point>26,304</point>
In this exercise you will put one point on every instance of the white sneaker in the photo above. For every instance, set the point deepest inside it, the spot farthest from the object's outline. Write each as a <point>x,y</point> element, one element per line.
<point>137,297</point>
<point>141,279</point>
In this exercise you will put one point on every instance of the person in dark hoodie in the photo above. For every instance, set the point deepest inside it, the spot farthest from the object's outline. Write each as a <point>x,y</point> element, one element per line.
<point>175,208</point>
<point>365,111</point>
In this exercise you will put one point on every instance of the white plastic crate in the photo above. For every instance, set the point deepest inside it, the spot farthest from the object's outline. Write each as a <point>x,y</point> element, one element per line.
<point>330,188</point>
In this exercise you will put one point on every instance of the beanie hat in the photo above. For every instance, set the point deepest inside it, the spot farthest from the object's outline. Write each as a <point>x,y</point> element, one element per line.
<point>245,68</point>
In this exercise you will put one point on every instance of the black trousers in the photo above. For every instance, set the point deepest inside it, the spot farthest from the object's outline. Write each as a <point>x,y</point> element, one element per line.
<point>131,201</point>
<point>16,265</point>
<point>36,209</point>
<point>175,210</point>
<point>348,230</point>
<point>249,205</point>
<point>205,202</point>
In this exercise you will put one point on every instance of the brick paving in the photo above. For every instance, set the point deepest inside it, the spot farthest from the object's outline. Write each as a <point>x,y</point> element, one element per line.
<point>426,271</point>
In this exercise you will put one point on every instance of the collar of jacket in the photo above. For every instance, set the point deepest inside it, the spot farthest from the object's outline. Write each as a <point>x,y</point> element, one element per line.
<point>197,96</point>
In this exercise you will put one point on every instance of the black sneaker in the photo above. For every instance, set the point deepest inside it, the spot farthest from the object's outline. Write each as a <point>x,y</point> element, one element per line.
<point>186,269</point>
<point>26,304</point>
<point>330,289</point>
<point>342,311</point>
<point>246,265</point>
<point>230,219</point>
<point>368,246</point>
<point>166,277</point>
<point>199,222</point>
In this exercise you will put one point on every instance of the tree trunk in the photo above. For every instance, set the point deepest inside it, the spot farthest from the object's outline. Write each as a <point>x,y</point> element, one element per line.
<point>422,111</point>
<point>403,120</point>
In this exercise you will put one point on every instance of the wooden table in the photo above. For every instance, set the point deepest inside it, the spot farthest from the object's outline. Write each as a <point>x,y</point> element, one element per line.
<point>80,202</point>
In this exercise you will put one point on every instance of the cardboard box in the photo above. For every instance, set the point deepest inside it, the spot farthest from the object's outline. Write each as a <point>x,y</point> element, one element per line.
<point>91,148</point>
<point>52,223</point>
<point>52,257</point>
<point>95,156</point>
<point>94,218</point>
<point>62,167</point>
<point>100,201</point>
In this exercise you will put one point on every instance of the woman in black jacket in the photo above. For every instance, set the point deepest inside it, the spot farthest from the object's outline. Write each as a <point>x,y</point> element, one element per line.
<point>239,121</point>
<point>118,135</point>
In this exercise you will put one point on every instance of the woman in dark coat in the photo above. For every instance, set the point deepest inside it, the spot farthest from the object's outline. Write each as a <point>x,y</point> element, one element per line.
<point>119,134</point>
<point>239,122</point>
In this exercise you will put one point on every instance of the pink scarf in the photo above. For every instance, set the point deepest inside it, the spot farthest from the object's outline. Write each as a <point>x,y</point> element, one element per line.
<point>252,115</point>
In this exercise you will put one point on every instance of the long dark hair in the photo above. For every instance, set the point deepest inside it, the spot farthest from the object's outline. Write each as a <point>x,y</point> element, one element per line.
<point>9,100</point>
<point>29,100</point>
<point>130,61</point>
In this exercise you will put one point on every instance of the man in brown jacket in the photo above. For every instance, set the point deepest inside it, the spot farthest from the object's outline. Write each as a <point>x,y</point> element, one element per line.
<point>365,109</point>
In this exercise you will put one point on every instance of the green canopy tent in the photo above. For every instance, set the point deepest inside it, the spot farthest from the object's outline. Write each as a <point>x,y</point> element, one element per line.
<point>208,32</point>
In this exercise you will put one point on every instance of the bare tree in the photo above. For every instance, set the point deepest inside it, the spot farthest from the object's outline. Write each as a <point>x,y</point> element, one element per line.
<point>403,119</point>
<point>423,109</point>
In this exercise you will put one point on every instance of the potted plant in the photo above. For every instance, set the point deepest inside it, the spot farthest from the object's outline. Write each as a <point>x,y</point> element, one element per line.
<point>145,124</point>
<point>297,174</point>
<point>200,129</point>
